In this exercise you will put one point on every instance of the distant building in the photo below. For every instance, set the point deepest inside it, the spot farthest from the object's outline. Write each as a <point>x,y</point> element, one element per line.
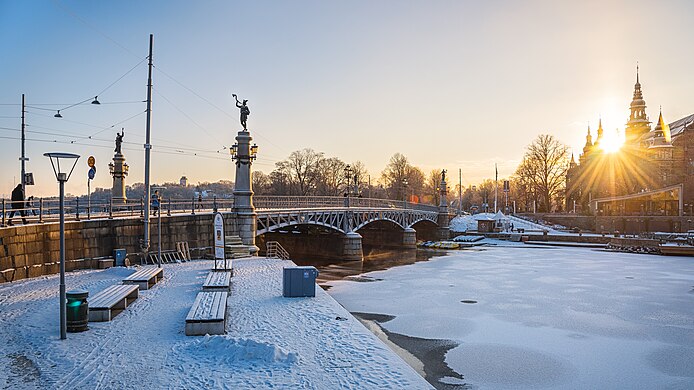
<point>652,174</point>
<point>184,181</point>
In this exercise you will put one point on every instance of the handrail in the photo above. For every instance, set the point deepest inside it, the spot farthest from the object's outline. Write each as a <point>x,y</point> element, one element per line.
<point>275,250</point>
<point>48,209</point>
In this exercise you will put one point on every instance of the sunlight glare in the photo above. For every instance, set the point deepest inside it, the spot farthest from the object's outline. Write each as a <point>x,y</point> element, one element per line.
<point>612,141</point>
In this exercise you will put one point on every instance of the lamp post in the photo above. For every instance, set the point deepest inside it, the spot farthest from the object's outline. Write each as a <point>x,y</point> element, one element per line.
<point>62,178</point>
<point>404,193</point>
<point>348,180</point>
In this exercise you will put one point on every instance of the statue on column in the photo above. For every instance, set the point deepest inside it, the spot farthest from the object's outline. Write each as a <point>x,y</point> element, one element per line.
<point>245,111</point>
<point>443,175</point>
<point>119,141</point>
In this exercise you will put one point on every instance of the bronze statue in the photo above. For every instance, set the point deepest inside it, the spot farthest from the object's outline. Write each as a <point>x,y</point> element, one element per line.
<point>119,140</point>
<point>443,175</point>
<point>245,111</point>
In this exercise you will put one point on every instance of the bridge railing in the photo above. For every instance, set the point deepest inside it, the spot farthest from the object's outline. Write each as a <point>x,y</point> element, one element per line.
<point>286,202</point>
<point>79,208</point>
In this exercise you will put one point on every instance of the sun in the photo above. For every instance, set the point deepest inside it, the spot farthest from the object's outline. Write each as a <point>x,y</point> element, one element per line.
<point>611,142</point>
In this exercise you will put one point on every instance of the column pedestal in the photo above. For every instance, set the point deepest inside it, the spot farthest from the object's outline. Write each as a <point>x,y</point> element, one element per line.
<point>119,170</point>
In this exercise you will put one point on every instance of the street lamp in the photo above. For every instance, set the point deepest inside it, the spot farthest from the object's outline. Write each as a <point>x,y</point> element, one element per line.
<point>159,223</point>
<point>404,193</point>
<point>62,177</point>
<point>348,180</point>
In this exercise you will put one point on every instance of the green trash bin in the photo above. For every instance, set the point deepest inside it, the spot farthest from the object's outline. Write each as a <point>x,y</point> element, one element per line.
<point>77,310</point>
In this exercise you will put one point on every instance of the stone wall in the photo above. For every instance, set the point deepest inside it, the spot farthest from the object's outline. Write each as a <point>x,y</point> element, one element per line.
<point>623,224</point>
<point>34,250</point>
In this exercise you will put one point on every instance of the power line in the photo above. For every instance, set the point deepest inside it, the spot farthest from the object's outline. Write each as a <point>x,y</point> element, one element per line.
<point>187,116</point>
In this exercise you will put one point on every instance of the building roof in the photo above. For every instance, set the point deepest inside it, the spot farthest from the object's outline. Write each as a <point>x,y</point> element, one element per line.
<point>678,126</point>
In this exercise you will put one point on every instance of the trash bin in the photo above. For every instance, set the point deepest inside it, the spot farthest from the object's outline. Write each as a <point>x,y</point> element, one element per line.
<point>299,282</point>
<point>77,310</point>
<point>119,256</point>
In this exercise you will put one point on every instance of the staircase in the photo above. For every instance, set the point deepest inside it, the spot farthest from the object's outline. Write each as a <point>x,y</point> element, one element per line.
<point>235,249</point>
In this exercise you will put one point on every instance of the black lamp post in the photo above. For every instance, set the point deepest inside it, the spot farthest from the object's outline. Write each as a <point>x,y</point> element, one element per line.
<point>404,193</point>
<point>62,176</point>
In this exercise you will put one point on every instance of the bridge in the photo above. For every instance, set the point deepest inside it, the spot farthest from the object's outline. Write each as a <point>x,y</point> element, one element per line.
<point>305,224</point>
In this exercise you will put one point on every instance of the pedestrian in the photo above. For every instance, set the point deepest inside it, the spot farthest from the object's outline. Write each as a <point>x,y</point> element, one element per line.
<point>155,202</point>
<point>511,226</point>
<point>199,200</point>
<point>17,204</point>
<point>31,206</point>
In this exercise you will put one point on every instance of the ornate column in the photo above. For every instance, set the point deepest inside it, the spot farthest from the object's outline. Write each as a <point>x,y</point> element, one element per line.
<point>246,217</point>
<point>443,218</point>
<point>119,170</point>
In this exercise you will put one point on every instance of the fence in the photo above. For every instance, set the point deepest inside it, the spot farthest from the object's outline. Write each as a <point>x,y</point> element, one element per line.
<point>79,208</point>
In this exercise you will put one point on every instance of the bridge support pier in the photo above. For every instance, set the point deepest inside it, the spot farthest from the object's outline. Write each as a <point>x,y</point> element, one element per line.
<point>351,247</point>
<point>409,238</point>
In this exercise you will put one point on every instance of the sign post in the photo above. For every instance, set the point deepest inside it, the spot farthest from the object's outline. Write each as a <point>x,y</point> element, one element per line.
<point>219,241</point>
<point>90,176</point>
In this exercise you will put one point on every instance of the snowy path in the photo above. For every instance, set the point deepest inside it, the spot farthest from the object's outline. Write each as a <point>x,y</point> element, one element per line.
<point>272,342</point>
<point>525,318</point>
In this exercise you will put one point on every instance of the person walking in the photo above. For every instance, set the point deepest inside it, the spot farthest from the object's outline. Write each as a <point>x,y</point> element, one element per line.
<point>199,200</point>
<point>156,202</point>
<point>17,204</point>
<point>31,206</point>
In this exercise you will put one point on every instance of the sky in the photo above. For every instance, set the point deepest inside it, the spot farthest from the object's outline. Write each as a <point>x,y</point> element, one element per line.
<point>449,84</point>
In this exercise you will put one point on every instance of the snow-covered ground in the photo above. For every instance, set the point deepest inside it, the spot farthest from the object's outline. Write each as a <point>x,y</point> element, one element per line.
<point>526,317</point>
<point>466,223</point>
<point>271,342</point>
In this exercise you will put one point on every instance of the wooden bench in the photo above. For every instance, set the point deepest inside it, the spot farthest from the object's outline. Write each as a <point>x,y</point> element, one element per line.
<point>145,277</point>
<point>208,314</point>
<point>111,301</point>
<point>217,281</point>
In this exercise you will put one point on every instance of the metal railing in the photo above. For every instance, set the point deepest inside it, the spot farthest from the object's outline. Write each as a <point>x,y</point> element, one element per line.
<point>285,202</point>
<point>42,210</point>
<point>274,250</point>
<point>77,208</point>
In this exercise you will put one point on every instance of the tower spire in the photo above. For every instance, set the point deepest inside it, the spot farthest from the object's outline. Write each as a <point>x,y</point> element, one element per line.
<point>638,123</point>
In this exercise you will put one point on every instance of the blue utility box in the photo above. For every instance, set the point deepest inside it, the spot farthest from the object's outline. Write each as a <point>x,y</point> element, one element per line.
<point>299,282</point>
<point>119,255</point>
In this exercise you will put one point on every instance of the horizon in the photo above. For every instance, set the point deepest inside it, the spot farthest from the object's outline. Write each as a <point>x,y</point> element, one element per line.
<point>448,84</point>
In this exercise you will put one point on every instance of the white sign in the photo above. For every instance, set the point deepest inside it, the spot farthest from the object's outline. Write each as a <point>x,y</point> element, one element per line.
<point>218,237</point>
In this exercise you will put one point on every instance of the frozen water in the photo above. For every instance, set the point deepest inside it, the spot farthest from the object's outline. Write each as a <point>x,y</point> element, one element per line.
<point>571,317</point>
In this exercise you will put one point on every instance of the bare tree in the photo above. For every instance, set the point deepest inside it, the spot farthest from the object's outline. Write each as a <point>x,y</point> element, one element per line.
<point>261,183</point>
<point>331,176</point>
<point>302,167</point>
<point>431,188</point>
<point>543,170</point>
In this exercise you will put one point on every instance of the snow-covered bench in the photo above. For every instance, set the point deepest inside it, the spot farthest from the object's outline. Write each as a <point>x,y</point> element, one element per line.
<point>145,277</point>
<point>111,301</point>
<point>217,281</point>
<point>208,314</point>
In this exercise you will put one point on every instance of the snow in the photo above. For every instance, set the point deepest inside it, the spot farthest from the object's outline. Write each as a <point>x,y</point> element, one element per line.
<point>271,341</point>
<point>466,223</point>
<point>567,318</point>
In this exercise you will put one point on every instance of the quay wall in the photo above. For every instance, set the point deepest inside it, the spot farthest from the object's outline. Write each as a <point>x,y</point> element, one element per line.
<point>28,251</point>
<point>624,224</point>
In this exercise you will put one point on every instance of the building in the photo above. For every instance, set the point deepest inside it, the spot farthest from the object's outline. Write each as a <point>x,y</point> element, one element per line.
<point>652,174</point>
<point>184,181</point>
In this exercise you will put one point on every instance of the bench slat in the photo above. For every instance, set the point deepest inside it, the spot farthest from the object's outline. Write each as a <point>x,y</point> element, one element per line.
<point>110,296</point>
<point>208,306</point>
<point>145,274</point>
